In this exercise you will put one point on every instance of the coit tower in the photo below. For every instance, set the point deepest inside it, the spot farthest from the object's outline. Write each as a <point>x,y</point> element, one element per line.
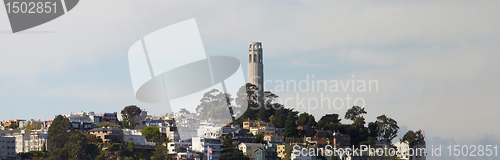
<point>256,69</point>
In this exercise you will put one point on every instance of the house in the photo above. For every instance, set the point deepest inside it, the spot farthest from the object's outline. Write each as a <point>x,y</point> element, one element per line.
<point>265,154</point>
<point>341,140</point>
<point>272,138</point>
<point>248,149</point>
<point>7,147</point>
<point>321,133</point>
<point>108,135</point>
<point>403,151</point>
<point>200,144</point>
<point>263,130</point>
<point>27,140</point>
<point>110,117</point>
<point>257,125</point>
<point>17,123</point>
<point>305,131</point>
<point>284,151</point>
<point>171,131</point>
<point>178,147</point>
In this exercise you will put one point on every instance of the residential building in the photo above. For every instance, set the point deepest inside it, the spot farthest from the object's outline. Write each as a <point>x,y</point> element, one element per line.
<point>262,130</point>
<point>171,131</point>
<point>110,117</point>
<point>273,138</point>
<point>178,147</point>
<point>248,149</point>
<point>85,127</point>
<point>341,140</point>
<point>265,154</point>
<point>7,148</point>
<point>284,151</point>
<point>200,145</point>
<point>18,123</point>
<point>27,140</point>
<point>257,124</point>
<point>403,151</point>
<point>138,140</point>
<point>279,132</point>
<point>108,135</point>
<point>306,131</point>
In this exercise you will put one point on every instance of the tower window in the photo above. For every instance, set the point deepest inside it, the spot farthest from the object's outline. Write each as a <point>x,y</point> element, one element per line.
<point>254,58</point>
<point>249,58</point>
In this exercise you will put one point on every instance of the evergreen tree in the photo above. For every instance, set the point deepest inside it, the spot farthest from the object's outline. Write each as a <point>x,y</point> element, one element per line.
<point>290,125</point>
<point>59,132</point>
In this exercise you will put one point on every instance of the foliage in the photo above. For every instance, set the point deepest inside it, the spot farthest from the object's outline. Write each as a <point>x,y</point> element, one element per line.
<point>153,134</point>
<point>229,152</point>
<point>33,125</point>
<point>354,113</point>
<point>13,126</point>
<point>38,154</point>
<point>213,104</point>
<point>59,132</point>
<point>159,152</point>
<point>129,113</point>
<point>279,117</point>
<point>387,128</point>
<point>184,111</point>
<point>306,119</point>
<point>246,102</point>
<point>327,119</point>
<point>290,125</point>
<point>260,138</point>
<point>414,138</point>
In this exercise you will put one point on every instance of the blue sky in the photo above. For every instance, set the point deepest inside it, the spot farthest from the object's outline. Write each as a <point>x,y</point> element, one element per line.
<point>436,61</point>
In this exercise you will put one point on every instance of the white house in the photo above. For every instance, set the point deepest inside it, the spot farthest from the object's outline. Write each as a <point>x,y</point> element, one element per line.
<point>200,145</point>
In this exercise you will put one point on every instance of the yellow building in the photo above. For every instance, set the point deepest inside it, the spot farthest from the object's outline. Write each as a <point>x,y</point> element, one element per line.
<point>284,151</point>
<point>257,125</point>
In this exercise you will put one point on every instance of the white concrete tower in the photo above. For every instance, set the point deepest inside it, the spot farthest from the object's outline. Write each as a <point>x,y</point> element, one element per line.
<point>256,68</point>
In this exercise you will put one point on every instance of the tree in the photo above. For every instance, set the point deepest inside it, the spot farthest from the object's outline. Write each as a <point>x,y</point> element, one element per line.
<point>229,152</point>
<point>59,132</point>
<point>354,113</point>
<point>290,125</point>
<point>77,146</point>
<point>44,148</point>
<point>13,126</point>
<point>387,128</point>
<point>129,113</point>
<point>303,119</point>
<point>246,101</point>
<point>327,119</point>
<point>279,117</point>
<point>184,111</point>
<point>306,119</point>
<point>414,138</point>
<point>260,138</point>
<point>159,153</point>
<point>312,121</point>
<point>212,101</point>
<point>152,134</point>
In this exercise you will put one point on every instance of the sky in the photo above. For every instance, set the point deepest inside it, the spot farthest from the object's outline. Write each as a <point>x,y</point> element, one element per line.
<point>435,61</point>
